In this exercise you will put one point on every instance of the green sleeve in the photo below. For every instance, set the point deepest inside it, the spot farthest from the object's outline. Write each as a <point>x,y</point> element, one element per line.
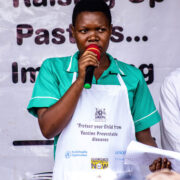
<point>45,92</point>
<point>144,111</point>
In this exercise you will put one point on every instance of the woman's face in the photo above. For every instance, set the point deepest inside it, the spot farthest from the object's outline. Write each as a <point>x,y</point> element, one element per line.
<point>92,28</point>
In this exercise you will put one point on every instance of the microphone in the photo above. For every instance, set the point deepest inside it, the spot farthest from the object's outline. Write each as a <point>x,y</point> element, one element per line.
<point>90,69</point>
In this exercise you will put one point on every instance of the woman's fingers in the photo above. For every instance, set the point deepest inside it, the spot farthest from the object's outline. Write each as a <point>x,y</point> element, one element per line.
<point>169,165</point>
<point>88,58</point>
<point>160,164</point>
<point>152,167</point>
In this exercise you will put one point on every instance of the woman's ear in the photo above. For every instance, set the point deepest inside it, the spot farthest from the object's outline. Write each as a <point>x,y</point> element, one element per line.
<point>72,29</point>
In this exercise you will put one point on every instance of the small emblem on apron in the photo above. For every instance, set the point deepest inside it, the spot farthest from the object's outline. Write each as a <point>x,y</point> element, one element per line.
<point>100,115</point>
<point>99,163</point>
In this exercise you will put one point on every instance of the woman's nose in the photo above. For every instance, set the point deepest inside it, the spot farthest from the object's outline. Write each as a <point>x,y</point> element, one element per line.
<point>93,37</point>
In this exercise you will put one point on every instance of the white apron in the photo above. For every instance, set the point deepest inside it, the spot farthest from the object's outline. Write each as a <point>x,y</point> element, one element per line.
<point>97,136</point>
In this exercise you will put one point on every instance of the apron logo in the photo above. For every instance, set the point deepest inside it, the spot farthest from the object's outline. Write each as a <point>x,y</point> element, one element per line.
<point>100,115</point>
<point>99,163</point>
<point>69,154</point>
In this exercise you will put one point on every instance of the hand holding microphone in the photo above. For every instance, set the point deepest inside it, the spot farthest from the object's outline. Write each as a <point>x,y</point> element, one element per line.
<point>90,69</point>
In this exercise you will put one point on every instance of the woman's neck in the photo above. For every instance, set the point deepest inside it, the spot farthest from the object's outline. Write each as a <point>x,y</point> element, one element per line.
<point>104,64</point>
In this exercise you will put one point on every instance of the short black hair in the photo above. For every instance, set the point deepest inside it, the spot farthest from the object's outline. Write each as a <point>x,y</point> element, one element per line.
<point>91,6</point>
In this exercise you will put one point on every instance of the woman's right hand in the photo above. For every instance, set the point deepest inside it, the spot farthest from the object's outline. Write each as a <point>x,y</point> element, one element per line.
<point>88,58</point>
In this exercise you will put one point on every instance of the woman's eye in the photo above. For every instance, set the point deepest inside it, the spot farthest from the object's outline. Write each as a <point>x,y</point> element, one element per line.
<point>101,29</point>
<point>83,31</point>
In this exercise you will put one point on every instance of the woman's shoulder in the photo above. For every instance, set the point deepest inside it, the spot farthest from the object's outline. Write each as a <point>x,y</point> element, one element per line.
<point>129,69</point>
<point>56,62</point>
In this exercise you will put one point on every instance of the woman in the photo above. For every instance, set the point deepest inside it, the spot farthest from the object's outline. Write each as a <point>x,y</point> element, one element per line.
<point>96,124</point>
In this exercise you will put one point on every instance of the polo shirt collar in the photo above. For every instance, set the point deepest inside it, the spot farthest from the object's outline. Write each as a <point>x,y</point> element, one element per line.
<point>73,63</point>
<point>113,68</point>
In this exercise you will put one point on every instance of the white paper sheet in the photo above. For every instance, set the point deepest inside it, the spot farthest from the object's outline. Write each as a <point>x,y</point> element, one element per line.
<point>143,155</point>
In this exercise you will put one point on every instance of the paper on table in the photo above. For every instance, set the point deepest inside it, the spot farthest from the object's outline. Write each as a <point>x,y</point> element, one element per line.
<point>143,155</point>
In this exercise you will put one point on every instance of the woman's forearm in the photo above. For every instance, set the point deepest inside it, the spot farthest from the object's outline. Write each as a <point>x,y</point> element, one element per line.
<point>53,120</point>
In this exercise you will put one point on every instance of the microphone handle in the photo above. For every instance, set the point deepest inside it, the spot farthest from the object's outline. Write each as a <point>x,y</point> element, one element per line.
<point>89,77</point>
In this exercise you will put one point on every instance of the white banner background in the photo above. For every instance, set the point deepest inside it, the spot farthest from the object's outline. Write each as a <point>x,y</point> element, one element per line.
<point>145,36</point>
